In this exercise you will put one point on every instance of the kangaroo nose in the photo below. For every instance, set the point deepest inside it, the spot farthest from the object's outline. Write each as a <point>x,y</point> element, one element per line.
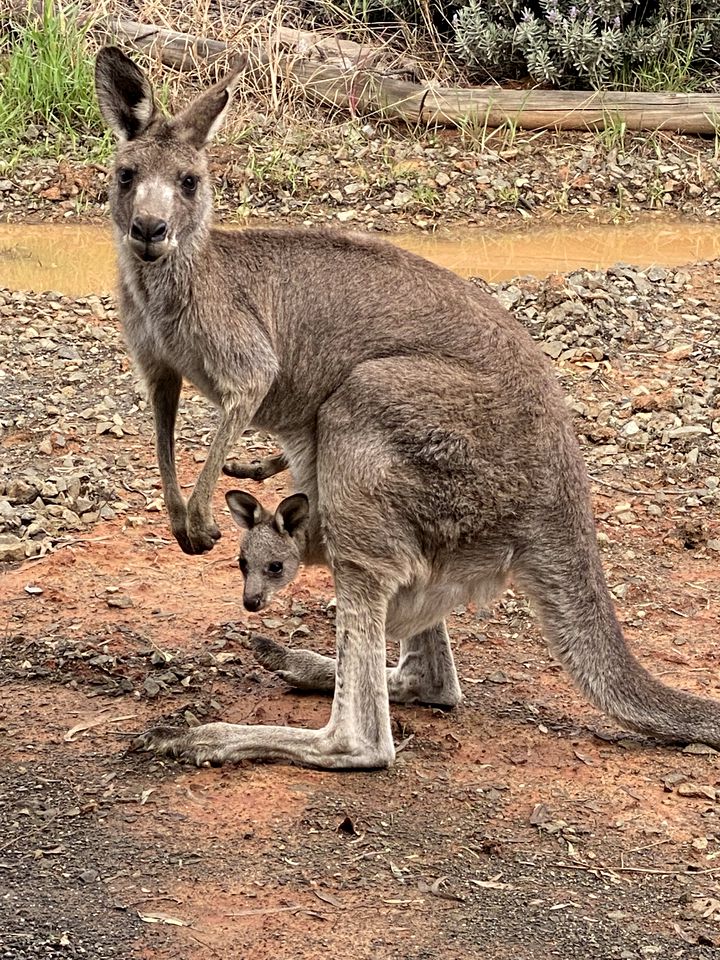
<point>252,603</point>
<point>148,229</point>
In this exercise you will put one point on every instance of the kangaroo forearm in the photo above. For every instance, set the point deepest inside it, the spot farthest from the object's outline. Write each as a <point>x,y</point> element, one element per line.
<point>165,395</point>
<point>233,422</point>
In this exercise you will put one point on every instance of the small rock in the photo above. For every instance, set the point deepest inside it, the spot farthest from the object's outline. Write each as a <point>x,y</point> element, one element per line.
<point>690,430</point>
<point>672,780</point>
<point>630,429</point>
<point>151,687</point>
<point>681,352</point>
<point>12,548</point>
<point>699,750</point>
<point>67,352</point>
<point>553,348</point>
<point>498,677</point>
<point>702,791</point>
<point>120,600</point>
<point>20,491</point>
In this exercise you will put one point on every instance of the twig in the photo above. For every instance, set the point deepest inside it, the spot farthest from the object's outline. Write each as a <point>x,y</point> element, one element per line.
<point>67,543</point>
<point>134,903</point>
<point>603,868</point>
<point>32,833</point>
<point>404,743</point>
<point>672,491</point>
<point>261,911</point>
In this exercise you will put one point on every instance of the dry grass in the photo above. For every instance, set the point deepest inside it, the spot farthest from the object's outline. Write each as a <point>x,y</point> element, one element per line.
<point>271,92</point>
<point>272,113</point>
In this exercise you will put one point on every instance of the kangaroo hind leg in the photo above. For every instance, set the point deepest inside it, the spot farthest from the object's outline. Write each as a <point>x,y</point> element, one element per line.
<point>426,672</point>
<point>358,734</point>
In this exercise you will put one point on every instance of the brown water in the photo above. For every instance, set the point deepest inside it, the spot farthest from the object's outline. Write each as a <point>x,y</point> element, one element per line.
<point>79,259</point>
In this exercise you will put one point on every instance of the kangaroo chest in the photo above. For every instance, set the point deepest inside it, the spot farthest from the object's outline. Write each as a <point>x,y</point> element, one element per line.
<point>160,338</point>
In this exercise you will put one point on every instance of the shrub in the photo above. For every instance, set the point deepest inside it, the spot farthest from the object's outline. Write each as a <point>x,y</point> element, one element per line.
<point>595,42</point>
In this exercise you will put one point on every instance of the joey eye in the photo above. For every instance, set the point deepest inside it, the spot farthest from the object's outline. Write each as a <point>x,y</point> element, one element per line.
<point>242,563</point>
<point>125,176</point>
<point>189,183</point>
<point>276,568</point>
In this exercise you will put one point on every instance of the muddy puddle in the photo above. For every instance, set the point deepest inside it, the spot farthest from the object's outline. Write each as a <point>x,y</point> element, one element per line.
<point>79,259</point>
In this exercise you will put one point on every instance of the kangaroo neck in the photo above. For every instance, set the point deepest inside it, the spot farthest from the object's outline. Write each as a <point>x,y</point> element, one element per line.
<point>165,287</point>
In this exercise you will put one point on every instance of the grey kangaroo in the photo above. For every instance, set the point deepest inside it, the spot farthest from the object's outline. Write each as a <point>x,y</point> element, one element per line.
<point>274,546</point>
<point>419,418</point>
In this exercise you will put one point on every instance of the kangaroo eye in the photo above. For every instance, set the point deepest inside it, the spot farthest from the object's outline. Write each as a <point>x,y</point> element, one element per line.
<point>275,567</point>
<point>189,183</point>
<point>125,176</point>
<point>242,563</point>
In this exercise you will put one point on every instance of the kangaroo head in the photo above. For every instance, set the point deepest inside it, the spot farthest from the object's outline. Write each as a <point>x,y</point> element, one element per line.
<point>160,191</point>
<point>272,549</point>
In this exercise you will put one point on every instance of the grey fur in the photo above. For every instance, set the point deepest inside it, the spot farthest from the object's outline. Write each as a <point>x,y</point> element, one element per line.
<point>420,419</point>
<point>274,546</point>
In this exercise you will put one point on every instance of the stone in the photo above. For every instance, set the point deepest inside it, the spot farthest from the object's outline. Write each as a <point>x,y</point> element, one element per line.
<point>20,491</point>
<point>553,349</point>
<point>12,548</point>
<point>688,431</point>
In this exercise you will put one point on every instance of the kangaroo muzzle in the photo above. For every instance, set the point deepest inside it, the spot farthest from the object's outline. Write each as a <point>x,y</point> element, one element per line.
<point>149,238</point>
<point>254,602</point>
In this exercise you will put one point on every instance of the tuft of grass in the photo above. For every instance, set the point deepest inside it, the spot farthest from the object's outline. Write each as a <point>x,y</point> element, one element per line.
<point>681,66</point>
<point>47,94</point>
<point>613,132</point>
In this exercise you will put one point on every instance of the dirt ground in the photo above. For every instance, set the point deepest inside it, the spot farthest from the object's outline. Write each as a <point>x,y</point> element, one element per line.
<point>521,825</point>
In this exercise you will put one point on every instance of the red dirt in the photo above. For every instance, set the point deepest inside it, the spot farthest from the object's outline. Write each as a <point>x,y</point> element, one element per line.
<point>271,875</point>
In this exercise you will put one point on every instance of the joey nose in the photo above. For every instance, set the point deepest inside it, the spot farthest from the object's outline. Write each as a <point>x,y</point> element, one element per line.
<point>148,229</point>
<point>252,603</point>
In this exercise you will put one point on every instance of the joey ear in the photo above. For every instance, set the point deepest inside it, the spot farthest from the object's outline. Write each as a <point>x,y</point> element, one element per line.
<point>124,94</point>
<point>200,121</point>
<point>247,512</point>
<point>292,514</point>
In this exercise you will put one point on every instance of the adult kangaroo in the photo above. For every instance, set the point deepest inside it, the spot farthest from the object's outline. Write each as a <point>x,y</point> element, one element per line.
<point>419,418</point>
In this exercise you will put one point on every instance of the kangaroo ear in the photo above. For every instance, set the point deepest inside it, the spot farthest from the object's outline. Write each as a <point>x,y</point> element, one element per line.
<point>292,514</point>
<point>200,121</point>
<point>124,94</point>
<point>247,512</point>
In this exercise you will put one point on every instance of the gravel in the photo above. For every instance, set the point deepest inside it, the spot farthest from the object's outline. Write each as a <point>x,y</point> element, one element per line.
<point>369,174</point>
<point>659,340</point>
<point>638,352</point>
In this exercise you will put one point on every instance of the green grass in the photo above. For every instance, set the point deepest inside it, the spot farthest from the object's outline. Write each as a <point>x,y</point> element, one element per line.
<point>613,132</point>
<point>682,66</point>
<point>46,82</point>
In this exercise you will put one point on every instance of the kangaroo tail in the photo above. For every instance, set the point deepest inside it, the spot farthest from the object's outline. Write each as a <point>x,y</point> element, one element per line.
<point>562,573</point>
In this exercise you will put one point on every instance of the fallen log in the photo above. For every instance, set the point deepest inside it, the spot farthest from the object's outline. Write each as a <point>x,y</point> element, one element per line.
<point>182,51</point>
<point>347,75</point>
